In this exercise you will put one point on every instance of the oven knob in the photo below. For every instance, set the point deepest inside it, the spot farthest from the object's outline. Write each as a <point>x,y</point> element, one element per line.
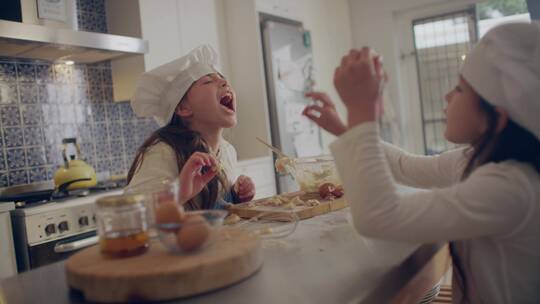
<point>50,229</point>
<point>63,226</point>
<point>83,221</point>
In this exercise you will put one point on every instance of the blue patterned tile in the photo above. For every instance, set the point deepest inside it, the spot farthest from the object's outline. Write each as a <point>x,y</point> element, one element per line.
<point>115,131</point>
<point>18,177</point>
<point>113,112</point>
<point>88,151</point>
<point>28,93</point>
<point>16,158</point>
<point>66,114</point>
<point>10,116</point>
<point>101,132</point>
<point>43,93</point>
<point>8,92</point>
<point>13,137</point>
<point>38,174</point>
<point>108,94</point>
<point>36,156</point>
<point>3,165</point>
<point>83,5</point>
<point>81,95</point>
<point>31,115</point>
<point>53,154</point>
<point>103,166</point>
<point>69,130</point>
<point>117,148</point>
<point>103,150</point>
<point>94,76</point>
<point>117,166</point>
<point>8,71</point>
<point>50,172</point>
<point>44,73</point>
<point>129,128</point>
<point>53,134</point>
<point>106,77</point>
<point>99,112</point>
<point>86,134</point>
<point>79,74</point>
<point>26,72</point>
<point>95,93</point>
<point>127,112</point>
<point>65,94</point>
<point>50,114</point>
<point>33,136</point>
<point>4,181</point>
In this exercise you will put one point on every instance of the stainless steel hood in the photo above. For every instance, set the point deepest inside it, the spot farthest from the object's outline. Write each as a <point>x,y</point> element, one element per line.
<point>59,44</point>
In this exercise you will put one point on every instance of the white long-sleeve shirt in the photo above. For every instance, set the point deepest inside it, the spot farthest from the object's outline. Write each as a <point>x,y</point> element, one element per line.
<point>494,215</point>
<point>159,164</point>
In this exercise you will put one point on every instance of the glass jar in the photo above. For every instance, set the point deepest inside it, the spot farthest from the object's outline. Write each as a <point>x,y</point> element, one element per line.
<point>123,225</point>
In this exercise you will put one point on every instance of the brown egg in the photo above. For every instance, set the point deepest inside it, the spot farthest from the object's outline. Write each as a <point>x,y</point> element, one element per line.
<point>168,212</point>
<point>194,233</point>
<point>326,189</point>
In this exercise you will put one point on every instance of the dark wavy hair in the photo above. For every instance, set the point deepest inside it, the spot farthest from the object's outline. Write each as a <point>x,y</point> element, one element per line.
<point>184,142</point>
<point>512,143</point>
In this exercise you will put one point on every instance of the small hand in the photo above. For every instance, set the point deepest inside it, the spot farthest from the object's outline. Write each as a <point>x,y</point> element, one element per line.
<point>324,116</point>
<point>359,81</point>
<point>193,176</point>
<point>244,188</point>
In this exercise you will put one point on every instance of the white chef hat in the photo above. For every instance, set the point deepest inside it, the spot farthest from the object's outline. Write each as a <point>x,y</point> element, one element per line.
<point>504,68</point>
<point>159,91</point>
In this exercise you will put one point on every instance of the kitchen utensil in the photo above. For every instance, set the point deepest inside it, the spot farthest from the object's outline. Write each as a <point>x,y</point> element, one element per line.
<point>76,173</point>
<point>274,149</point>
<point>255,209</point>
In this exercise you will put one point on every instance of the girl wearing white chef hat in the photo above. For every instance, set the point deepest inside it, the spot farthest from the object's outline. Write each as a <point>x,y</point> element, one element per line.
<point>192,103</point>
<point>484,199</point>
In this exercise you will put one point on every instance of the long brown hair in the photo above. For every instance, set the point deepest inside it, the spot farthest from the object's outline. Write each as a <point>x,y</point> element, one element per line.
<point>184,142</point>
<point>512,143</point>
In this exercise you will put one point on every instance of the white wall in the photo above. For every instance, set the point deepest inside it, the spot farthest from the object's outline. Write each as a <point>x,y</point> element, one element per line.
<point>379,24</point>
<point>330,28</point>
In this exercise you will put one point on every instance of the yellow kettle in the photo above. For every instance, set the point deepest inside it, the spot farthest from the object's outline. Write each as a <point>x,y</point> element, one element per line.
<point>76,173</point>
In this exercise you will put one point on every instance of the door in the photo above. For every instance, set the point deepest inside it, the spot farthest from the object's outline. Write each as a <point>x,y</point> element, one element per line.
<point>289,74</point>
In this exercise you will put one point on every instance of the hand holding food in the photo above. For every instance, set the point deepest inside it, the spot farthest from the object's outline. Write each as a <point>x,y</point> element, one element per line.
<point>244,188</point>
<point>325,115</point>
<point>198,170</point>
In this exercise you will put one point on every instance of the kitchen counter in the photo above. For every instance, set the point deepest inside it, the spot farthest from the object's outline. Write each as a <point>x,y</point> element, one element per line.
<point>324,261</point>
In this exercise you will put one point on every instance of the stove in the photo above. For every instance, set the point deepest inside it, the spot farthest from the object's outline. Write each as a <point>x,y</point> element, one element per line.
<point>47,232</point>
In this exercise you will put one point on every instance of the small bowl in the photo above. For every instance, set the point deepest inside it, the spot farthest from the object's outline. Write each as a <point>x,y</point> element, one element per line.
<point>179,238</point>
<point>311,172</point>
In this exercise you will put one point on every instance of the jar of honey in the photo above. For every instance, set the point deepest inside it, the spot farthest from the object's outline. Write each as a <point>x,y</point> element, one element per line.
<point>123,225</point>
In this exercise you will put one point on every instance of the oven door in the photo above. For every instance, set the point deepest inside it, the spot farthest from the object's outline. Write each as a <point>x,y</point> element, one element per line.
<point>50,252</point>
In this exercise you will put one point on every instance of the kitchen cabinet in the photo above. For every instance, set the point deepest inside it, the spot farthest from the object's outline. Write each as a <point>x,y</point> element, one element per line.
<point>171,27</point>
<point>8,266</point>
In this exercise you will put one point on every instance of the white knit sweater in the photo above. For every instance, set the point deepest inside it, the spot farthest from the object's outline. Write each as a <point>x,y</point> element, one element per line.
<point>494,214</point>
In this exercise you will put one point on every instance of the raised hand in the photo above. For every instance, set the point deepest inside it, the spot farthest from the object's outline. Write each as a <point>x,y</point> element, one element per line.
<point>359,81</point>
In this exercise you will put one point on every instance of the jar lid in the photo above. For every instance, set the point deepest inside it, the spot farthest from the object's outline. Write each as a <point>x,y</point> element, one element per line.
<point>120,200</point>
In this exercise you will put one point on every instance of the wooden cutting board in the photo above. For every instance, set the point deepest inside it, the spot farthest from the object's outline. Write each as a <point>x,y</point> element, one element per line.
<point>158,275</point>
<point>252,209</point>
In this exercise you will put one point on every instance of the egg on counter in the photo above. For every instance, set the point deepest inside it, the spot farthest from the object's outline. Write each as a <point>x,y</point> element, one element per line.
<point>168,212</point>
<point>194,233</point>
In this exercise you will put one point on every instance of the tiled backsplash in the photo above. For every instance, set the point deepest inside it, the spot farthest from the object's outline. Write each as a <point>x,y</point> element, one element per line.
<point>42,102</point>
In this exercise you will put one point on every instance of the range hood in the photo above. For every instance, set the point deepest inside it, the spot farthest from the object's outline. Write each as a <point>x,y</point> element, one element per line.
<point>60,44</point>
